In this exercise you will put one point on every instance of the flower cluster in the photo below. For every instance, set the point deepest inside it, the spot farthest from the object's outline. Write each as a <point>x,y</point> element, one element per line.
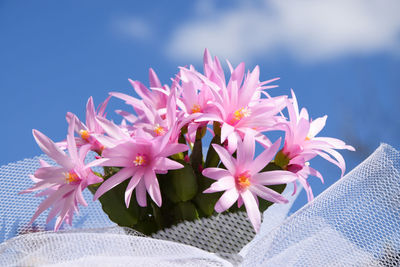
<point>164,134</point>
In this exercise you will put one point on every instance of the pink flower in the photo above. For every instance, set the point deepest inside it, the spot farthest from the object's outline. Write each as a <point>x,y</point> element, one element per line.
<point>238,106</point>
<point>301,144</point>
<point>63,185</point>
<point>242,181</point>
<point>89,132</point>
<point>141,159</point>
<point>157,125</point>
<point>155,98</point>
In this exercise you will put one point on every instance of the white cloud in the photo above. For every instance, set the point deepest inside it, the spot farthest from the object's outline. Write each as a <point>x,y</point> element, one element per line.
<point>309,30</point>
<point>135,28</point>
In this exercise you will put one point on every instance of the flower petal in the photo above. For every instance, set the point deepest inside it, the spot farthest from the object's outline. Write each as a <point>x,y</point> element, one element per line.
<point>73,153</point>
<point>113,181</point>
<point>252,209</point>
<point>132,184</point>
<point>223,184</point>
<point>245,150</point>
<point>268,194</point>
<point>52,150</point>
<point>152,186</point>
<point>316,126</point>
<point>225,157</point>
<point>274,177</point>
<point>226,130</point>
<point>141,194</point>
<point>111,129</point>
<point>226,200</point>
<point>216,173</point>
<point>264,158</point>
<point>165,164</point>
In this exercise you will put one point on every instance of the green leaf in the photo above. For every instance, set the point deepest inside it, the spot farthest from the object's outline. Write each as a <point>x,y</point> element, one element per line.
<point>113,204</point>
<point>185,211</point>
<point>281,159</point>
<point>179,185</point>
<point>212,158</point>
<point>206,201</point>
<point>196,158</point>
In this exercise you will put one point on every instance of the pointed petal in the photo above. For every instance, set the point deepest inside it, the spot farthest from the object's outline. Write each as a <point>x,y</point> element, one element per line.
<point>115,162</point>
<point>267,194</point>
<point>226,130</point>
<point>49,172</point>
<point>50,201</point>
<point>52,150</point>
<point>151,182</point>
<point>73,153</point>
<point>141,194</point>
<point>132,184</point>
<point>79,196</point>
<point>173,149</point>
<point>113,181</point>
<point>264,158</point>
<point>252,209</point>
<point>233,142</point>
<point>316,126</point>
<point>226,200</point>
<point>83,151</point>
<point>130,100</point>
<point>90,114</point>
<point>216,173</point>
<point>225,183</point>
<point>245,149</point>
<point>274,177</point>
<point>165,164</point>
<point>111,129</point>
<point>154,81</point>
<point>226,158</point>
<point>339,158</point>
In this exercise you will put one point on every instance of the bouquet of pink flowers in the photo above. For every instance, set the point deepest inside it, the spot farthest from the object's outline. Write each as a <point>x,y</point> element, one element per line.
<point>157,152</point>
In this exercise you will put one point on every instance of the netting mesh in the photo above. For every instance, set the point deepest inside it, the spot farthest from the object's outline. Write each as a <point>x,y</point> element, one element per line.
<point>16,210</point>
<point>356,222</point>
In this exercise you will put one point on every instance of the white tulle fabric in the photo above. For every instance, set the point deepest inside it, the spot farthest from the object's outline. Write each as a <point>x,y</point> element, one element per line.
<point>355,222</point>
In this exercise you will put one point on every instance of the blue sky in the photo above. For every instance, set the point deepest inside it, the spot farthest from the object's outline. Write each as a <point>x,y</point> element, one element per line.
<point>341,58</point>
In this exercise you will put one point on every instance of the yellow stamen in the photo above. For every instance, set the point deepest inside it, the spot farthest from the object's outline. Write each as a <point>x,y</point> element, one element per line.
<point>240,114</point>
<point>159,130</point>
<point>196,108</point>
<point>71,177</point>
<point>308,138</point>
<point>243,180</point>
<point>85,135</point>
<point>140,160</point>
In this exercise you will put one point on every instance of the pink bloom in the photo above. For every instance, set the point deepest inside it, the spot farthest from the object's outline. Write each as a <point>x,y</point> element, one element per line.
<point>238,106</point>
<point>194,100</point>
<point>155,98</point>
<point>63,185</point>
<point>88,132</point>
<point>242,181</point>
<point>157,125</point>
<point>301,144</point>
<point>141,159</point>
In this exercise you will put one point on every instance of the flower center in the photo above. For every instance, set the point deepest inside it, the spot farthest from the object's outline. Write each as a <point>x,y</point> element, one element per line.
<point>242,180</point>
<point>196,108</point>
<point>308,138</point>
<point>84,135</point>
<point>240,114</point>
<point>140,160</point>
<point>71,177</point>
<point>159,130</point>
